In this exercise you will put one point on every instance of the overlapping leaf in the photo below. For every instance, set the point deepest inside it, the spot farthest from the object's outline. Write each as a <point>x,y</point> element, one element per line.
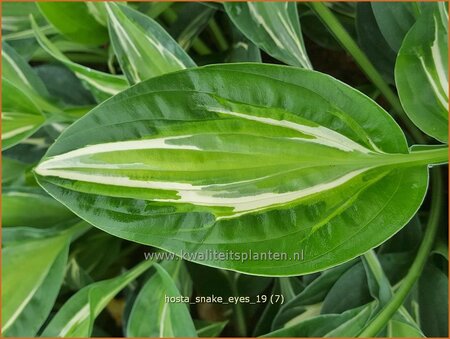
<point>76,317</point>
<point>153,316</point>
<point>102,85</point>
<point>28,293</point>
<point>75,21</point>
<point>272,26</point>
<point>143,48</point>
<point>421,72</point>
<point>20,115</point>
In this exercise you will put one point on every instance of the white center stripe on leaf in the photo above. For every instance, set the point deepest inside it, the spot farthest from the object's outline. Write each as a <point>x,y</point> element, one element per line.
<point>324,136</point>
<point>16,131</point>
<point>80,316</point>
<point>67,159</point>
<point>17,69</point>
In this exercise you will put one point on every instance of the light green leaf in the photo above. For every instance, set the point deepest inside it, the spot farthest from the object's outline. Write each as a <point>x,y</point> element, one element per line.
<point>20,116</point>
<point>32,273</point>
<point>403,329</point>
<point>394,20</point>
<point>272,26</point>
<point>102,85</point>
<point>421,72</point>
<point>41,209</point>
<point>152,316</point>
<point>76,317</point>
<point>207,329</point>
<point>317,166</point>
<point>143,48</point>
<point>74,20</point>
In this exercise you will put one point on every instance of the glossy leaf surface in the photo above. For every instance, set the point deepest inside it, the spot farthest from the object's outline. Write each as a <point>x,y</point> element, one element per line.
<point>144,49</point>
<point>284,159</point>
<point>273,27</point>
<point>421,72</point>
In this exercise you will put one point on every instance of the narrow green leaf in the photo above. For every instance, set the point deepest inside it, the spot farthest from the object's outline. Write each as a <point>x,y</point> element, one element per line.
<point>143,48</point>
<point>12,170</point>
<point>153,316</point>
<point>433,302</point>
<point>76,317</point>
<point>20,115</point>
<point>191,20</point>
<point>207,329</point>
<point>331,325</point>
<point>32,273</point>
<point>18,72</point>
<point>318,166</point>
<point>74,20</point>
<point>102,85</point>
<point>272,26</point>
<point>394,20</point>
<point>421,72</point>
<point>372,41</point>
<point>41,209</point>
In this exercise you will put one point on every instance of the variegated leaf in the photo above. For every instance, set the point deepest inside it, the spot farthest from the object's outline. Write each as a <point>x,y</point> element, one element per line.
<point>143,48</point>
<point>220,157</point>
<point>152,316</point>
<point>76,317</point>
<point>20,115</point>
<point>102,85</point>
<point>272,26</point>
<point>421,71</point>
<point>29,293</point>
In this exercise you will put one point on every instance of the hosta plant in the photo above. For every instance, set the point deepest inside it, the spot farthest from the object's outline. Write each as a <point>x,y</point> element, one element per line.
<point>204,169</point>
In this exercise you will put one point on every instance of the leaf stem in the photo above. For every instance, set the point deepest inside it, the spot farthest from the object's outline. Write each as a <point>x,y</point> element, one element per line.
<point>428,157</point>
<point>367,67</point>
<point>381,319</point>
<point>219,38</point>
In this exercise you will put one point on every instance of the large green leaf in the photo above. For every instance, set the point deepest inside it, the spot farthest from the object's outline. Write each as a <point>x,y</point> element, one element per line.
<point>272,26</point>
<point>152,316</point>
<point>73,19</point>
<point>76,317</point>
<point>102,85</point>
<point>240,156</point>
<point>32,273</point>
<point>143,48</point>
<point>421,72</point>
